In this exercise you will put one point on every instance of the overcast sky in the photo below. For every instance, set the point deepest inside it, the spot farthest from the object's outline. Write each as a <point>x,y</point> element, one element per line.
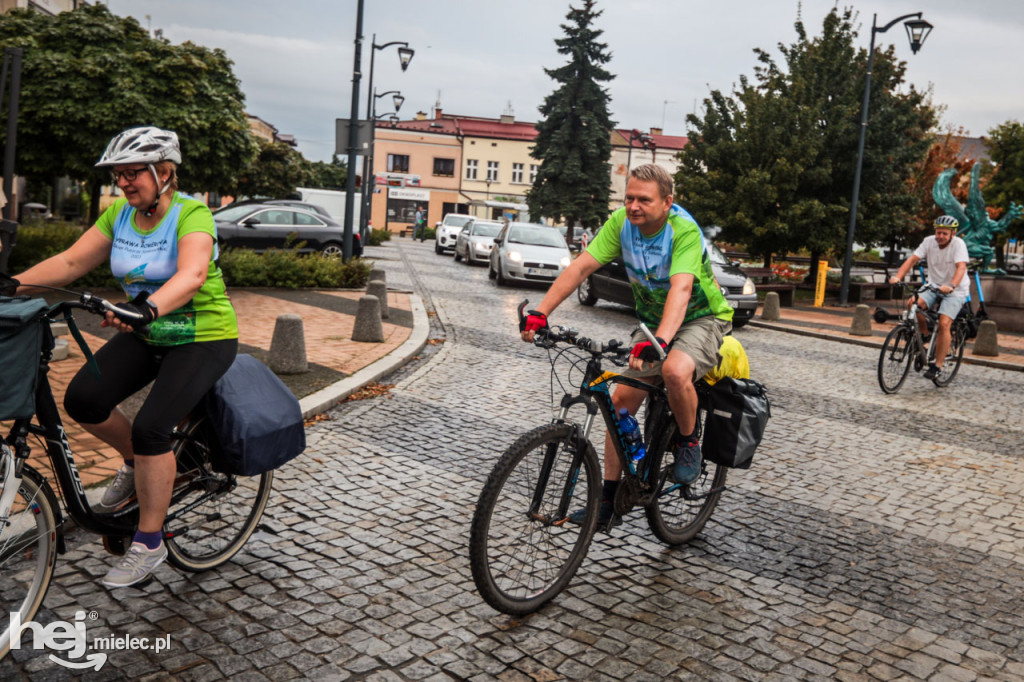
<point>295,59</point>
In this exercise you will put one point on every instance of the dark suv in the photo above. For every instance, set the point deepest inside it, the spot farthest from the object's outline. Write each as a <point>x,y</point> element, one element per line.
<point>610,283</point>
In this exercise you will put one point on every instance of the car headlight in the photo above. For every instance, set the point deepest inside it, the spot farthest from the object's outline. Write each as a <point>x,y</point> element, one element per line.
<point>565,261</point>
<point>748,287</point>
<point>515,256</point>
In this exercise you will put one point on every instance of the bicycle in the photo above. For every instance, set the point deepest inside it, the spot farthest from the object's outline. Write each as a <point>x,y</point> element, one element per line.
<point>211,514</point>
<point>523,549</point>
<point>904,345</point>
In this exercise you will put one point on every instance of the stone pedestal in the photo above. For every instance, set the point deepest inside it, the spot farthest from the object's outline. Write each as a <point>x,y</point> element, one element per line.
<point>288,346</point>
<point>376,287</point>
<point>770,311</point>
<point>861,325</point>
<point>368,325</point>
<point>987,342</point>
<point>1004,300</point>
<point>378,273</point>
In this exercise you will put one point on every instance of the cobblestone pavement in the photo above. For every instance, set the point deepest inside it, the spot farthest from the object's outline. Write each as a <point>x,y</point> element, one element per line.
<point>876,537</point>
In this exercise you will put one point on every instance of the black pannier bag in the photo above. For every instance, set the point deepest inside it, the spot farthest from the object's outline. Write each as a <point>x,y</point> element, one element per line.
<point>257,419</point>
<point>738,412</point>
<point>23,329</point>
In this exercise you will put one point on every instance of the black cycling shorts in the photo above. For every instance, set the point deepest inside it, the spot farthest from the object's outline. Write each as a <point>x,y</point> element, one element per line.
<point>181,376</point>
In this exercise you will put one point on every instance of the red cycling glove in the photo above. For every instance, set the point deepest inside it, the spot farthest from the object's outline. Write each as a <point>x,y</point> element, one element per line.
<point>646,352</point>
<point>534,321</point>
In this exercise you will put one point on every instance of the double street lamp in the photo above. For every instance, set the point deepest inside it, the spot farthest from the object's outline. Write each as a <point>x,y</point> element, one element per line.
<point>917,31</point>
<point>405,55</point>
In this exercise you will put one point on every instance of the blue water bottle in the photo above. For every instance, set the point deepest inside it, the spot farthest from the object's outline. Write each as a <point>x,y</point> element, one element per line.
<point>631,433</point>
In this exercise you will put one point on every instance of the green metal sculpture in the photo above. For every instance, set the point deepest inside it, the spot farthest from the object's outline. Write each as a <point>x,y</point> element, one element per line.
<point>976,228</point>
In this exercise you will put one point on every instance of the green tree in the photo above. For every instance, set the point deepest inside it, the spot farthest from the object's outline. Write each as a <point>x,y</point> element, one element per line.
<point>1006,149</point>
<point>574,134</point>
<point>323,175</point>
<point>275,172</point>
<point>773,164</point>
<point>88,74</point>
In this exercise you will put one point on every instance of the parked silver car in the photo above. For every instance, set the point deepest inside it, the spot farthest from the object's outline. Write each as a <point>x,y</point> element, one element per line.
<point>476,240</point>
<point>447,231</point>
<point>528,252</point>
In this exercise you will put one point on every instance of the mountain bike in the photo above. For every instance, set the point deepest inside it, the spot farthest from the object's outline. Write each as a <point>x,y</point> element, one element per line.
<point>211,514</point>
<point>904,346</point>
<point>523,548</point>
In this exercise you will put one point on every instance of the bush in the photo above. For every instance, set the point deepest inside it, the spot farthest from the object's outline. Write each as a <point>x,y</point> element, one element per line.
<point>290,270</point>
<point>38,241</point>
<point>378,237</point>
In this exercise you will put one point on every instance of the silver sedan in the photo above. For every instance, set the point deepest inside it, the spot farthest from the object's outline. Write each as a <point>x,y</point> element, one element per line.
<point>528,252</point>
<point>476,240</point>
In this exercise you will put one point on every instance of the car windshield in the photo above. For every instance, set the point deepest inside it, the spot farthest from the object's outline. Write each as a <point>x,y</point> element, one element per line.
<point>456,220</point>
<point>485,229</point>
<point>537,235</point>
<point>717,256</point>
<point>234,213</point>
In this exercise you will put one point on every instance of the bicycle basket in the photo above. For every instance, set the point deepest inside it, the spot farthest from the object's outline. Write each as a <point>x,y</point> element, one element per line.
<point>23,330</point>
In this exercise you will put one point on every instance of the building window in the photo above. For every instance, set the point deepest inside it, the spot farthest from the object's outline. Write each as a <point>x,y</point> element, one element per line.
<point>471,168</point>
<point>398,163</point>
<point>517,173</point>
<point>492,171</point>
<point>444,167</point>
<point>533,172</point>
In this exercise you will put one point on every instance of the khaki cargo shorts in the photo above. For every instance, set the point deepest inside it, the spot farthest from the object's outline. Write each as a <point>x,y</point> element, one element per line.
<point>700,339</point>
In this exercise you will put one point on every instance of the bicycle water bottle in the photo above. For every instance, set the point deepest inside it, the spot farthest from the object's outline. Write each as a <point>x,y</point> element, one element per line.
<point>631,434</point>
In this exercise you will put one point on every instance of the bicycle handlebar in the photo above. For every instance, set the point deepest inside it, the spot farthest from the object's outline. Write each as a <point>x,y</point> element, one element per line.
<point>553,335</point>
<point>97,306</point>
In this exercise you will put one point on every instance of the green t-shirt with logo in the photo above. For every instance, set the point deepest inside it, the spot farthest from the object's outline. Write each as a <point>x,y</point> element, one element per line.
<point>144,261</point>
<point>677,248</point>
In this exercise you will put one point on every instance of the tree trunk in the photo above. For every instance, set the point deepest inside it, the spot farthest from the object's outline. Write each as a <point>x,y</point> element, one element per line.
<point>94,201</point>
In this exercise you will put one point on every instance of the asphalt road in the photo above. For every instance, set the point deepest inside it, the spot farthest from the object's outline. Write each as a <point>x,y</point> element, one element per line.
<point>875,537</point>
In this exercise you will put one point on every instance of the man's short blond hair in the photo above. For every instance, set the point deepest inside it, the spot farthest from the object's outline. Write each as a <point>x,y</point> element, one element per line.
<point>650,172</point>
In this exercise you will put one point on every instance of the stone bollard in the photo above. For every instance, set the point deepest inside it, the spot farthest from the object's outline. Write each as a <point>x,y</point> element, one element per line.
<point>60,349</point>
<point>987,342</point>
<point>770,311</point>
<point>368,326</point>
<point>288,346</point>
<point>378,273</point>
<point>376,287</point>
<point>861,325</point>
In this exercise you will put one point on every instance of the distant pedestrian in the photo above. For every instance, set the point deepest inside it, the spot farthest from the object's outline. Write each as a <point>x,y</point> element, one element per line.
<point>420,229</point>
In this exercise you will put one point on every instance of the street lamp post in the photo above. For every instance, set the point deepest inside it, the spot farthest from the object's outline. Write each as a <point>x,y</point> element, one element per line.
<point>369,177</point>
<point>405,54</point>
<point>646,142</point>
<point>917,30</point>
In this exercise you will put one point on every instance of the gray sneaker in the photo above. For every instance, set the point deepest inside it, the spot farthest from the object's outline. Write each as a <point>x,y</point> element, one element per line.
<point>136,565</point>
<point>121,489</point>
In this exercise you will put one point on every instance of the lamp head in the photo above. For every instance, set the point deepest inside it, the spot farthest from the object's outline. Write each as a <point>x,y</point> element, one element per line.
<point>917,32</point>
<point>398,99</point>
<point>405,54</point>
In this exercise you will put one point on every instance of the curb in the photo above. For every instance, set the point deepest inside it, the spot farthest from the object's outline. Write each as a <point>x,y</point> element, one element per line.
<point>327,398</point>
<point>967,359</point>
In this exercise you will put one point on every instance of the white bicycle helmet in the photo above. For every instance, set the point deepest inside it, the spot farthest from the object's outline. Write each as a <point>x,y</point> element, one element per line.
<point>144,144</point>
<point>946,222</point>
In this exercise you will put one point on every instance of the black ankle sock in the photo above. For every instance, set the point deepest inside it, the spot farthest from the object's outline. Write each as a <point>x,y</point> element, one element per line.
<point>608,490</point>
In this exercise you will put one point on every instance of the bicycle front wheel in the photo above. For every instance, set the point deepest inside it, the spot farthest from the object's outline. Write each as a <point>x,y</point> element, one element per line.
<point>523,549</point>
<point>678,512</point>
<point>894,360</point>
<point>28,551</point>
<point>954,356</point>
<point>211,514</point>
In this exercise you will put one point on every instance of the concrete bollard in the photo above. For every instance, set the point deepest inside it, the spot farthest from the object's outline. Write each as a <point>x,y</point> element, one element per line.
<point>378,273</point>
<point>376,287</point>
<point>770,311</point>
<point>60,349</point>
<point>861,325</point>
<point>288,346</point>
<point>987,342</point>
<point>368,326</point>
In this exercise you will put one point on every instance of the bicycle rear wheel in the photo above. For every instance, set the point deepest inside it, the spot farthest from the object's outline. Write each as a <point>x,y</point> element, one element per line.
<point>28,551</point>
<point>678,512</point>
<point>894,360</point>
<point>954,356</point>
<point>523,550</point>
<point>211,514</point>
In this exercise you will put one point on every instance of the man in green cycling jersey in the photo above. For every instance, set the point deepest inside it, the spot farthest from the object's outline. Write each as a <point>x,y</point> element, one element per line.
<point>669,269</point>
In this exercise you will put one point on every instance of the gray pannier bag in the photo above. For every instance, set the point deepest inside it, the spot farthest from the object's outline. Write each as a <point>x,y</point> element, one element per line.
<point>23,330</point>
<point>737,415</point>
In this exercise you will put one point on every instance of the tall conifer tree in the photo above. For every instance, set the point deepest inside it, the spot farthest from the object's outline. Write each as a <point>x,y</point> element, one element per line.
<point>574,134</point>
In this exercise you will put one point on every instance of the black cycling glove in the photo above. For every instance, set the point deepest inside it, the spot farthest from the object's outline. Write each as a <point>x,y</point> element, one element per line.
<point>139,306</point>
<point>8,285</point>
